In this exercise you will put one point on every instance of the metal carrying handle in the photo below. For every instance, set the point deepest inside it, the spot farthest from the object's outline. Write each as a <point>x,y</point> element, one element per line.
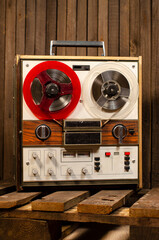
<point>54,43</point>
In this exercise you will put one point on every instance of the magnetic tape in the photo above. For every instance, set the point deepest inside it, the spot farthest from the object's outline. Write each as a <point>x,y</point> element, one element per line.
<point>80,120</point>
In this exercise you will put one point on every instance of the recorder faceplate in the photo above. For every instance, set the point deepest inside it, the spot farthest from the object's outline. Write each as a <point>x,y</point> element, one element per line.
<point>80,120</point>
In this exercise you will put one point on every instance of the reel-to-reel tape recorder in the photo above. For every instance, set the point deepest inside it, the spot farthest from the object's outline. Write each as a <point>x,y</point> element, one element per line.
<point>79,121</point>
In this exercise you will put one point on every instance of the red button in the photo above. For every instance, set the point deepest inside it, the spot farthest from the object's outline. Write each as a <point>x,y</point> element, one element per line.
<point>127,153</point>
<point>107,154</point>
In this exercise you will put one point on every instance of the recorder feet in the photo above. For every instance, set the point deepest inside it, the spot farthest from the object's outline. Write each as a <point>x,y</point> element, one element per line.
<point>119,132</point>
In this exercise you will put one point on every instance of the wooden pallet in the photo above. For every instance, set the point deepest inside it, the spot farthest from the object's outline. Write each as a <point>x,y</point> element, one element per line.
<point>106,206</point>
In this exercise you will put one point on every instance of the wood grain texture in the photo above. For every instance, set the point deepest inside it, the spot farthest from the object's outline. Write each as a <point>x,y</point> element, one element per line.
<point>124,27</point>
<point>20,27</point>
<point>2,82</point>
<point>17,229</point>
<point>40,21</point>
<point>147,206</point>
<point>92,26</point>
<point>134,28</point>
<point>30,27</point>
<point>71,26</point>
<point>61,25</point>
<point>51,21</point>
<point>155,93</point>
<point>16,198</point>
<point>81,24</point>
<point>59,201</point>
<point>103,25</point>
<point>8,107</point>
<point>108,139</point>
<point>104,201</point>
<point>145,52</point>
<point>113,41</point>
<point>29,137</point>
<point>144,233</point>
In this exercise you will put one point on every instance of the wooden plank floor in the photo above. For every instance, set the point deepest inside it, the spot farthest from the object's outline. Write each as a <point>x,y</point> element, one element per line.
<point>119,216</point>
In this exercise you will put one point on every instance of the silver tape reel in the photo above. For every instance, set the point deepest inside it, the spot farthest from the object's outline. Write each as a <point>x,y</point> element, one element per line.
<point>110,91</point>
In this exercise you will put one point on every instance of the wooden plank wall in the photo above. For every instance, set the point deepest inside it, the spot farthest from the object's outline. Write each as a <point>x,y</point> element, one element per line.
<point>128,27</point>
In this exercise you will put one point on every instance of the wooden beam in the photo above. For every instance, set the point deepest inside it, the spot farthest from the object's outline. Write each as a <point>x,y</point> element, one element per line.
<point>104,201</point>
<point>16,198</point>
<point>147,206</point>
<point>59,201</point>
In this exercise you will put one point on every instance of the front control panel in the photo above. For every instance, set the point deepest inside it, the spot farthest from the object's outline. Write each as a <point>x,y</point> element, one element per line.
<point>56,163</point>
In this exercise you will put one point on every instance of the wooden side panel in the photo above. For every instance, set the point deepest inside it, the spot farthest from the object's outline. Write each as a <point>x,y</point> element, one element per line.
<point>30,27</point>
<point>103,25</point>
<point>71,26</point>
<point>16,198</point>
<point>104,201</point>
<point>61,24</point>
<point>51,17</point>
<point>59,201</point>
<point>40,27</point>
<point>2,82</point>
<point>124,27</point>
<point>29,137</point>
<point>81,24</point>
<point>8,108</point>
<point>92,25</point>
<point>155,94</point>
<point>113,45</point>
<point>144,233</point>
<point>17,229</point>
<point>147,206</point>
<point>145,52</point>
<point>134,28</point>
<point>20,27</point>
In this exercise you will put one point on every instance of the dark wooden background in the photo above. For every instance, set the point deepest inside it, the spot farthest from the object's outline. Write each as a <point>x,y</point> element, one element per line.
<point>128,27</point>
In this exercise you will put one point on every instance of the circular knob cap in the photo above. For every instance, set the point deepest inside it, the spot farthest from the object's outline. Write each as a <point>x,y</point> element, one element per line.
<point>43,132</point>
<point>50,171</point>
<point>35,172</point>
<point>84,171</point>
<point>34,155</point>
<point>119,132</point>
<point>50,155</point>
<point>69,171</point>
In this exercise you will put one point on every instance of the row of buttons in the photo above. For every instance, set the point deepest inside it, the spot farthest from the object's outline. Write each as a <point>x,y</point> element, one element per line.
<point>97,164</point>
<point>127,161</point>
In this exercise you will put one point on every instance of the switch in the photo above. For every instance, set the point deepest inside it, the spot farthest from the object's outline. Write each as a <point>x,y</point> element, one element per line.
<point>97,169</point>
<point>127,168</point>
<point>84,171</point>
<point>107,154</point>
<point>34,155</point>
<point>131,131</point>
<point>69,171</point>
<point>97,164</point>
<point>35,172</point>
<point>127,162</point>
<point>50,172</point>
<point>127,153</point>
<point>50,155</point>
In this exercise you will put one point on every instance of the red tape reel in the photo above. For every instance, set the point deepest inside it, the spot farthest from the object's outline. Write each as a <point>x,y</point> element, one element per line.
<point>57,89</point>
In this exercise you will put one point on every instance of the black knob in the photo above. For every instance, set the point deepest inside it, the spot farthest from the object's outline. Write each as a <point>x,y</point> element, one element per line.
<point>119,131</point>
<point>43,132</point>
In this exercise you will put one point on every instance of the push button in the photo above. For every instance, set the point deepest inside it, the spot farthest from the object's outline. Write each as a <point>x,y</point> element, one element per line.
<point>127,158</point>
<point>127,168</point>
<point>97,169</point>
<point>127,153</point>
<point>107,154</point>
<point>97,158</point>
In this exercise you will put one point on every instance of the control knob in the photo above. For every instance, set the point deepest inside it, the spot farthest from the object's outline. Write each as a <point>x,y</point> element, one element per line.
<point>119,132</point>
<point>35,172</point>
<point>69,171</point>
<point>84,171</point>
